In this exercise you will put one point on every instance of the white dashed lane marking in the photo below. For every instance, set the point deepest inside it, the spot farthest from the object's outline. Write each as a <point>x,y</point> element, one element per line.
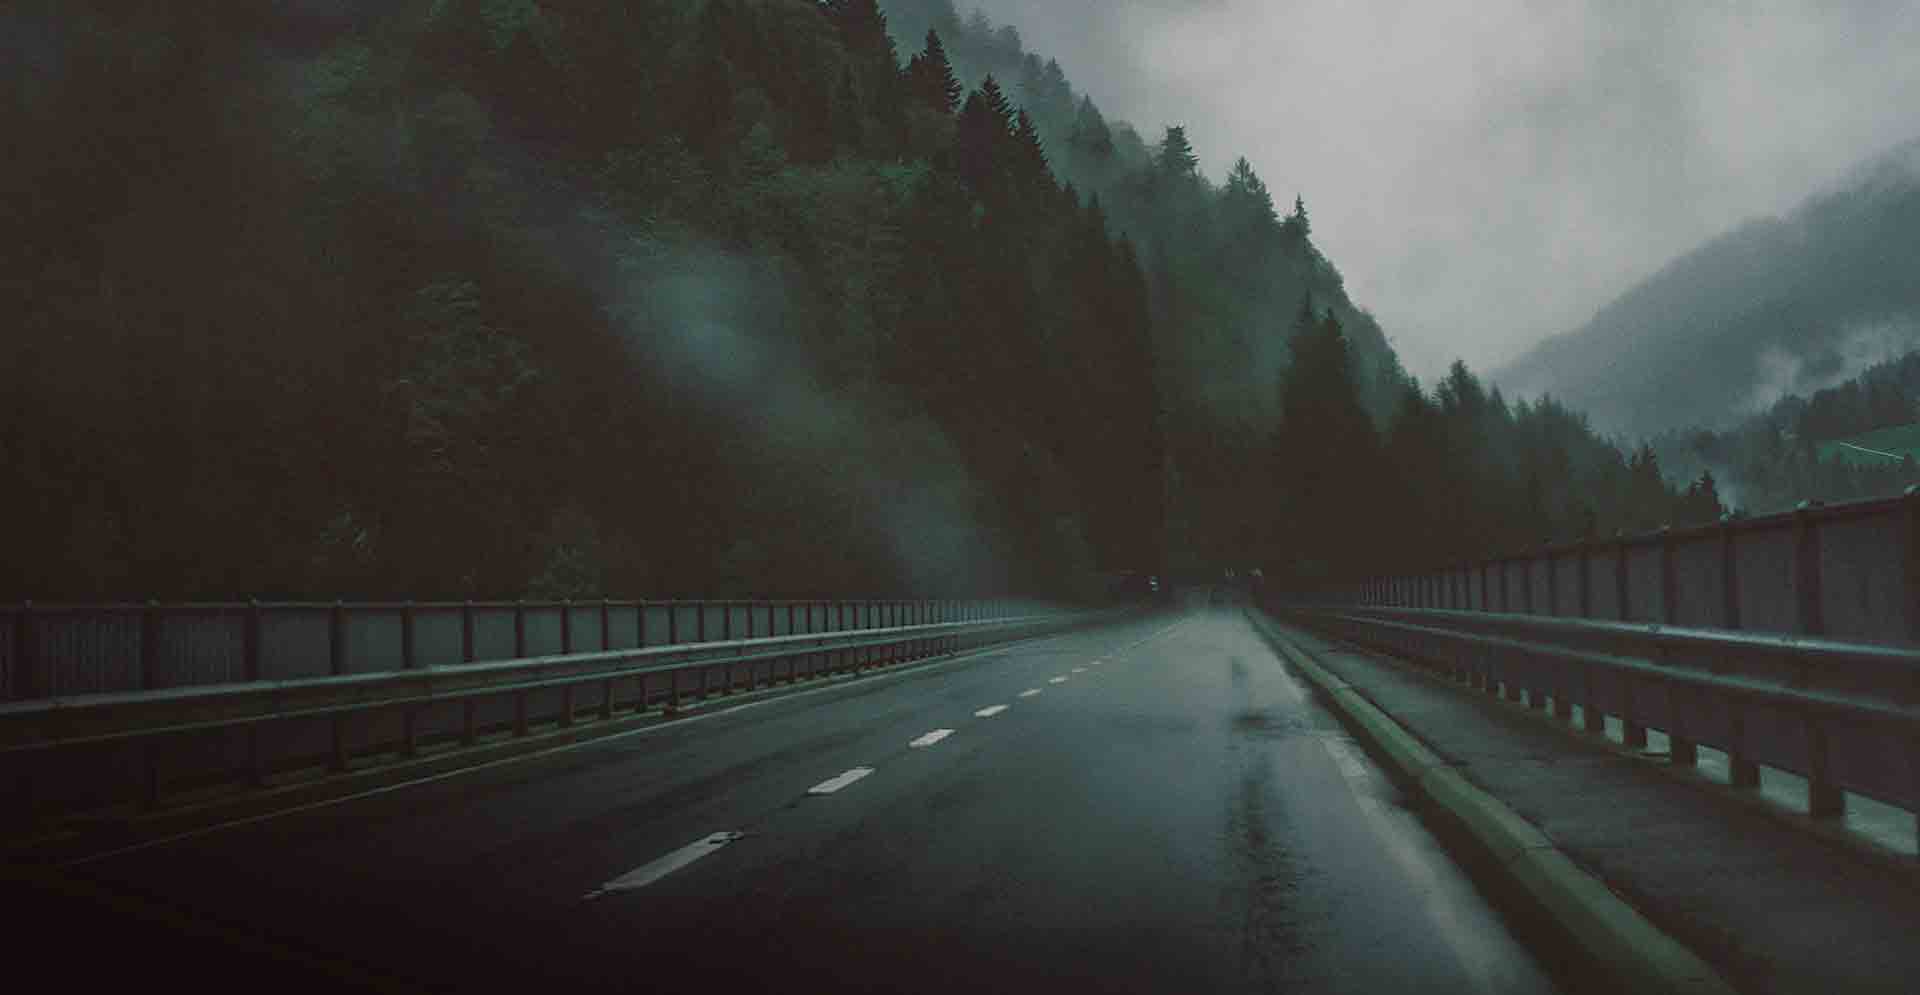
<point>1056,680</point>
<point>931,738</point>
<point>1079,670</point>
<point>647,874</point>
<point>1030,692</point>
<point>833,784</point>
<point>990,711</point>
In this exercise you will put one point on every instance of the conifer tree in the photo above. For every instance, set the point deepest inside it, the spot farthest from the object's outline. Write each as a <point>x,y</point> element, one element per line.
<point>1175,156</point>
<point>930,77</point>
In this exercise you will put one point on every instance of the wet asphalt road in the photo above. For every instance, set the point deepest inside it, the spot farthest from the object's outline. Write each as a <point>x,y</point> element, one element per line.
<point>1179,816</point>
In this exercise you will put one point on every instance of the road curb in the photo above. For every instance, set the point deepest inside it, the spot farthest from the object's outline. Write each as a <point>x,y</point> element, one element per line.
<point>1615,936</point>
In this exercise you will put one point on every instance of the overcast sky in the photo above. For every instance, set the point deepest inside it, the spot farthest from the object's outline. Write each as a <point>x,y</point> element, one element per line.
<point>1489,172</point>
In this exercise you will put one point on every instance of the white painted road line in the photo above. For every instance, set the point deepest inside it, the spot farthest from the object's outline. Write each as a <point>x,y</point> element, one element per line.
<point>990,711</point>
<point>1079,670</point>
<point>1030,692</point>
<point>1099,662</point>
<point>833,784</point>
<point>647,874</point>
<point>931,738</point>
<point>1056,680</point>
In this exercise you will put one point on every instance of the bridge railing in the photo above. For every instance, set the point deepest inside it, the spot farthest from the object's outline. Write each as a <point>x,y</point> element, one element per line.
<point>1847,571</point>
<point>50,650</point>
<point>1845,716</point>
<point>99,752</point>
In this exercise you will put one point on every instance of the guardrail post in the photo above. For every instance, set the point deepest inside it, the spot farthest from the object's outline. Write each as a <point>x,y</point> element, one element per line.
<point>1683,749</point>
<point>25,681</point>
<point>566,648</point>
<point>1806,570</point>
<point>1585,567</point>
<point>149,648</point>
<point>1669,580</point>
<point>606,625</point>
<point>1506,586</point>
<point>700,621</point>
<point>1912,592</point>
<point>250,642</point>
<point>407,660</point>
<point>1825,800</point>
<point>1620,575</point>
<point>519,629</point>
<point>673,622</point>
<point>337,638</point>
<point>640,624</point>
<point>467,705</point>
<point>1553,582</point>
<point>1633,735</point>
<point>1729,575</point>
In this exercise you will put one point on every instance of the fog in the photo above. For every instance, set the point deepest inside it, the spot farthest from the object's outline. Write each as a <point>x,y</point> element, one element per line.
<point>1489,174</point>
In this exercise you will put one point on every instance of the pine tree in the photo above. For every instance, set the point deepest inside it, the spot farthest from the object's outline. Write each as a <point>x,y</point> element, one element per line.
<point>930,77</point>
<point>1175,157</point>
<point>1296,223</point>
<point>1091,141</point>
<point>1246,198</point>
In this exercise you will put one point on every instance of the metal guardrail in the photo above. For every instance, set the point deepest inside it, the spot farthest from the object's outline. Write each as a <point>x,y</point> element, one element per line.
<point>1844,716</point>
<point>57,650</point>
<point>92,751</point>
<point>1847,571</point>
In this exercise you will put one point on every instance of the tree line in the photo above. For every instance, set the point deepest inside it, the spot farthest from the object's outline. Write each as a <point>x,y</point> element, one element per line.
<point>493,298</point>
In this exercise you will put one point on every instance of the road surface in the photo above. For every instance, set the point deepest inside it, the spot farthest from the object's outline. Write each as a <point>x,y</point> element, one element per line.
<point>1150,806</point>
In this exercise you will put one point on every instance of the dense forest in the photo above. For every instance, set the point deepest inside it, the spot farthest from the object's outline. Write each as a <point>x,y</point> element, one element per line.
<point>1772,460</point>
<point>479,298</point>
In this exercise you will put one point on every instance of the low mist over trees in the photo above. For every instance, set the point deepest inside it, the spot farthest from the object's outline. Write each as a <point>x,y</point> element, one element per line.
<point>480,298</point>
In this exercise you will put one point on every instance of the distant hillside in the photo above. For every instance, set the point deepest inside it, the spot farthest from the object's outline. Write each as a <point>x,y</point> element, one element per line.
<point>1774,307</point>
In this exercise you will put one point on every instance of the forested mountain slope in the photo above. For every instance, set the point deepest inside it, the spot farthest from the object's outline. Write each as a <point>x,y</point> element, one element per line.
<point>498,298</point>
<point>1774,307</point>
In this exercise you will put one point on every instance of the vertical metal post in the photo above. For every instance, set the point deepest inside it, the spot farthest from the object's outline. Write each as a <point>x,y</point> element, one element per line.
<point>1669,579</point>
<point>519,629</point>
<point>149,650</point>
<point>1729,575</point>
<point>1811,619</point>
<point>337,638</point>
<point>1586,578</point>
<point>1620,575</point>
<point>1553,582</point>
<point>26,679</point>
<point>673,622</point>
<point>791,613</point>
<point>1506,592</point>
<point>566,648</point>
<point>407,659</point>
<point>1825,800</point>
<point>700,621</point>
<point>1912,590</point>
<point>726,620</point>
<point>1633,735</point>
<point>250,643</point>
<point>467,705</point>
<point>606,625</point>
<point>640,624</point>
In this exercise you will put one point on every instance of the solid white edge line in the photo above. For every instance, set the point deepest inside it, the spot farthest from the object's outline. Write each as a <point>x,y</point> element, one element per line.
<point>838,781</point>
<point>648,873</point>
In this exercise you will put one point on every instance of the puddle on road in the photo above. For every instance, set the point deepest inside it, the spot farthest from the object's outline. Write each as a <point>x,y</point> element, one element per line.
<point>1269,724</point>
